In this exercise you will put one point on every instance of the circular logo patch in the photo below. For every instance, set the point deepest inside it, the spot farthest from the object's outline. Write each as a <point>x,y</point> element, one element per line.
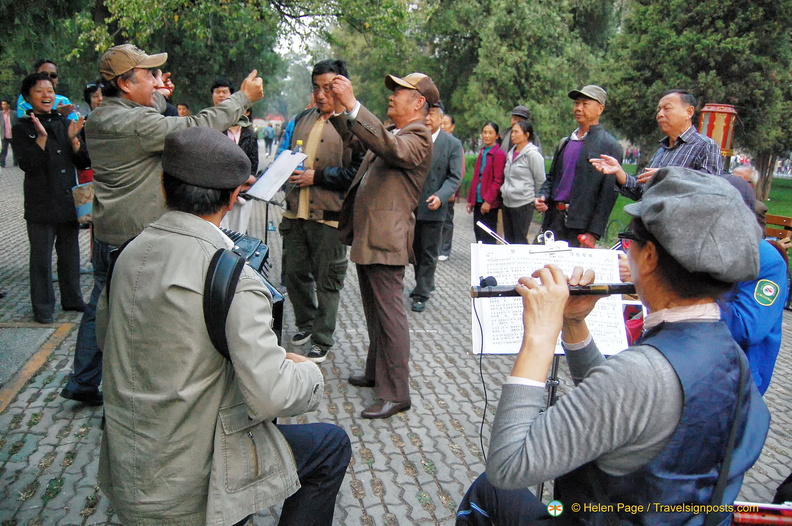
<point>766,292</point>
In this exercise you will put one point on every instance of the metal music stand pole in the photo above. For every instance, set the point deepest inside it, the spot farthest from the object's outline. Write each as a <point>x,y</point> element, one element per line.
<point>552,384</point>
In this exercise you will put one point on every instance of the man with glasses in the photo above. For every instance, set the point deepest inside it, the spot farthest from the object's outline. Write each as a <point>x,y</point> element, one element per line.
<point>62,104</point>
<point>316,261</point>
<point>127,134</point>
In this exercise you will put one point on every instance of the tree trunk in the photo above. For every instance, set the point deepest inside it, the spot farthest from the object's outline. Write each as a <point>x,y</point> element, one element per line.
<point>765,162</point>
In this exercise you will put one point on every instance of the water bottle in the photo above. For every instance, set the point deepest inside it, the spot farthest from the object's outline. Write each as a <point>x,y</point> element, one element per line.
<point>299,148</point>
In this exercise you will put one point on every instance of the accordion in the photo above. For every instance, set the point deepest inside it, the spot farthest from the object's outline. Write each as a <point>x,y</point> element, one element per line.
<point>256,254</point>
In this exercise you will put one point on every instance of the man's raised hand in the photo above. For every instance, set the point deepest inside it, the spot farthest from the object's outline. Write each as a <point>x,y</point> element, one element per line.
<point>253,87</point>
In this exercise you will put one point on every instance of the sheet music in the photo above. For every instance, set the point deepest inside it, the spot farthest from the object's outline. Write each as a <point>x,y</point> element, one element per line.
<point>276,175</point>
<point>501,318</point>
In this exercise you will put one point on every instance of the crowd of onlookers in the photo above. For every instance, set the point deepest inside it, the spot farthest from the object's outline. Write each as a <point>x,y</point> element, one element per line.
<point>194,377</point>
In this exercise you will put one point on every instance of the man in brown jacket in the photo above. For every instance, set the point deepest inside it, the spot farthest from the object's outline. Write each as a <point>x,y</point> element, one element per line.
<point>377,220</point>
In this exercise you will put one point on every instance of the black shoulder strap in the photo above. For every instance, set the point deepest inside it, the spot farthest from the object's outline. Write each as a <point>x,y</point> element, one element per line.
<point>219,288</point>
<point>723,476</point>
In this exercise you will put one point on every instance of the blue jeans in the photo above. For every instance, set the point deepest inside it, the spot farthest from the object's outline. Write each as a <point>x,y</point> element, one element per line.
<point>486,505</point>
<point>322,453</point>
<point>87,373</point>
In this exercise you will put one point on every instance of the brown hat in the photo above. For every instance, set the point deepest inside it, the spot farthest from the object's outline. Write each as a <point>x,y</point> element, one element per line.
<point>417,81</point>
<point>590,92</point>
<point>205,157</point>
<point>119,59</point>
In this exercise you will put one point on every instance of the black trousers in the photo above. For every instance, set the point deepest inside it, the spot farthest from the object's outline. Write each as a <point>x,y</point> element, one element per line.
<point>426,246</point>
<point>490,219</point>
<point>557,224</point>
<point>65,238</point>
<point>4,151</point>
<point>448,230</point>
<point>516,222</point>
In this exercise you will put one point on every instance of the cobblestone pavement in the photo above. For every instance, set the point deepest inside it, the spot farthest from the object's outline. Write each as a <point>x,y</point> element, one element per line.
<point>410,469</point>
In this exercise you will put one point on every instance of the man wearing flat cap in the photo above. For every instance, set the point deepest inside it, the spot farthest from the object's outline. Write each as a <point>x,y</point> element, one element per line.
<point>576,198</point>
<point>189,435</point>
<point>519,113</point>
<point>377,220</point>
<point>126,136</point>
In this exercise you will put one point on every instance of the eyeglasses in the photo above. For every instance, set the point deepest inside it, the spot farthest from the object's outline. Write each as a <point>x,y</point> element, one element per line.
<point>626,239</point>
<point>52,75</point>
<point>325,89</point>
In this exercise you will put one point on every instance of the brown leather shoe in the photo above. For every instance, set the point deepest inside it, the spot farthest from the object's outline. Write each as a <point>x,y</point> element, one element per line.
<point>385,409</point>
<point>360,381</point>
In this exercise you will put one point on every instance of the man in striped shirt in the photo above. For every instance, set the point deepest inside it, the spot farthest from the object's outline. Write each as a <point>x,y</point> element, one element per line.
<point>682,146</point>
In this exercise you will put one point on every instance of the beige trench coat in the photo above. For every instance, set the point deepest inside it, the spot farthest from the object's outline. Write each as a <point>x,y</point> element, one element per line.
<point>188,437</point>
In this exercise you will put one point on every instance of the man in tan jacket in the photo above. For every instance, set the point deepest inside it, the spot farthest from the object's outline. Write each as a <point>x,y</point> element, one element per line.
<point>316,261</point>
<point>189,436</point>
<point>377,220</point>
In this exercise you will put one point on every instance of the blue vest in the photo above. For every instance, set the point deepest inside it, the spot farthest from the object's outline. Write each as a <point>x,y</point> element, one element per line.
<point>707,361</point>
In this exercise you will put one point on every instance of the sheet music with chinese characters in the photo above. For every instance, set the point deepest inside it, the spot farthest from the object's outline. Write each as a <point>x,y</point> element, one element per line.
<point>276,175</point>
<point>501,318</point>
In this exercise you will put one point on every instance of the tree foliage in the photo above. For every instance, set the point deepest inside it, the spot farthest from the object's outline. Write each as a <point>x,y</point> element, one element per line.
<point>486,56</point>
<point>725,51</point>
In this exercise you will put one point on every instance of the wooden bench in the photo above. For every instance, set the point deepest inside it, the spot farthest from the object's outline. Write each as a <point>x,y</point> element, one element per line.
<point>778,226</point>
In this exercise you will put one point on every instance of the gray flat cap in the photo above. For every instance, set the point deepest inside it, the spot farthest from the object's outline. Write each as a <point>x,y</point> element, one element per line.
<point>205,157</point>
<point>703,223</point>
<point>592,91</point>
<point>522,111</point>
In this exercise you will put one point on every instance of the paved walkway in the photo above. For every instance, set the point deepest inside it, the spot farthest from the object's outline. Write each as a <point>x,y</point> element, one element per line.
<point>410,469</point>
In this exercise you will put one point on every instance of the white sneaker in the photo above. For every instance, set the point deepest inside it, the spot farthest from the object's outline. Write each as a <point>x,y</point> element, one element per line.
<point>442,258</point>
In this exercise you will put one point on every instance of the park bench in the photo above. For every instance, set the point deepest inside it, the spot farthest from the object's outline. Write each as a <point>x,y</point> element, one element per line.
<point>780,227</point>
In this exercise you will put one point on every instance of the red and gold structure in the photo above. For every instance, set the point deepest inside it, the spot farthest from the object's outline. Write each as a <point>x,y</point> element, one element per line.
<point>717,123</point>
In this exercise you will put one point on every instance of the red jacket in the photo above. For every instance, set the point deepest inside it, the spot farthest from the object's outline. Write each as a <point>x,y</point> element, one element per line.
<point>492,178</point>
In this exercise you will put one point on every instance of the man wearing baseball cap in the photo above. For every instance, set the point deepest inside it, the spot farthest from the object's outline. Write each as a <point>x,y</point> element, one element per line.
<point>126,136</point>
<point>189,437</point>
<point>576,198</point>
<point>377,220</point>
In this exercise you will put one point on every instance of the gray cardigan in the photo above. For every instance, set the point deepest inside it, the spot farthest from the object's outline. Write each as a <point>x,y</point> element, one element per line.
<point>523,176</point>
<point>622,416</point>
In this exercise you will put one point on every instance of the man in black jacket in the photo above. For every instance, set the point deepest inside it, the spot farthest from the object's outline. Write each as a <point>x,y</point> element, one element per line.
<point>576,197</point>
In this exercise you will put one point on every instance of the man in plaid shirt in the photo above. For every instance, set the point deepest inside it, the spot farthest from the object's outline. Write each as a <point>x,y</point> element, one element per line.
<point>682,146</point>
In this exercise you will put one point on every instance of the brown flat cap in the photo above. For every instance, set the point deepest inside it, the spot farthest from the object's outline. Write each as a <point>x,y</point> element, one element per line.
<point>205,157</point>
<point>119,59</point>
<point>417,81</point>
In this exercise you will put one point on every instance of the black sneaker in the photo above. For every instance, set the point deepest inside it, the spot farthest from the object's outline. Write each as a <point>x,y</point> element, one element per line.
<point>317,354</point>
<point>301,337</point>
<point>418,306</point>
